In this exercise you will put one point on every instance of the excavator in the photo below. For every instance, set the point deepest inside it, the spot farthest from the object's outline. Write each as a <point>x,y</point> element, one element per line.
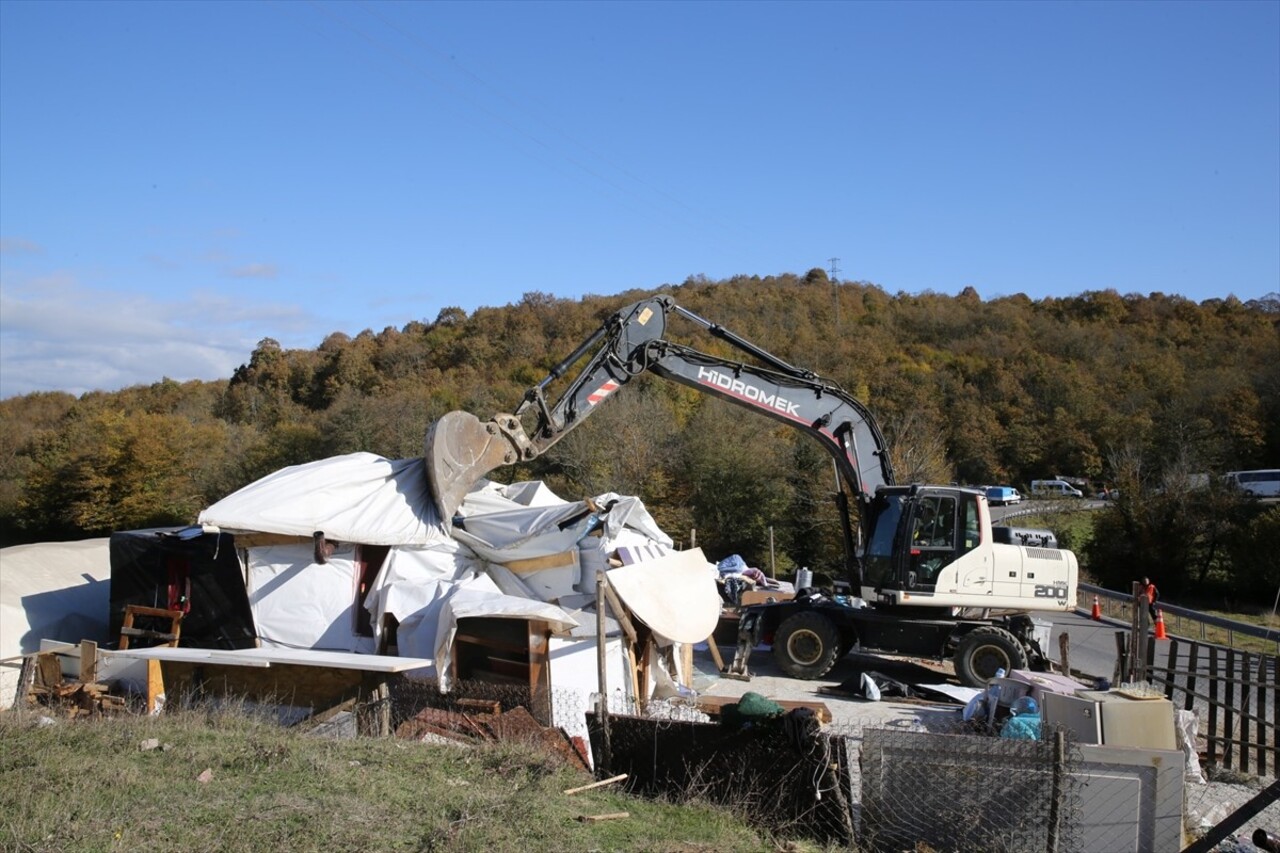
<point>936,578</point>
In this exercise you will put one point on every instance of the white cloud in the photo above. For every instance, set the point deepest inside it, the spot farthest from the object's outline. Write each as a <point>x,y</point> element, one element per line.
<point>58,335</point>
<point>254,271</point>
<point>19,246</point>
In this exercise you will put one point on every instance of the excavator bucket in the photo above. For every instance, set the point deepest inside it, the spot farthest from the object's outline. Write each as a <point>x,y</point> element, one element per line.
<point>459,450</point>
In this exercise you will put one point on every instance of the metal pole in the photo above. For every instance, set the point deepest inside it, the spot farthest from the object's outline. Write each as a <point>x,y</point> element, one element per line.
<point>602,697</point>
<point>1055,800</point>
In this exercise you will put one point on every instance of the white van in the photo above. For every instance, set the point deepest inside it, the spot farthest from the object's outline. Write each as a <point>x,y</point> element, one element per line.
<point>1259,484</point>
<point>1054,489</point>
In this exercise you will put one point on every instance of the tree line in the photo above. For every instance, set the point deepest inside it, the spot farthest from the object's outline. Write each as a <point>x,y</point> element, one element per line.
<point>1148,393</point>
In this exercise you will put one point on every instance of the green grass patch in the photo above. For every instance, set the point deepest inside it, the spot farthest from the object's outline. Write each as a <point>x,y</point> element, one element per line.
<point>88,785</point>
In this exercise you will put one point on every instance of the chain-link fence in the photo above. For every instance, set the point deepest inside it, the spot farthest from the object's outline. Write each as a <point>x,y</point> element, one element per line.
<point>935,783</point>
<point>968,792</point>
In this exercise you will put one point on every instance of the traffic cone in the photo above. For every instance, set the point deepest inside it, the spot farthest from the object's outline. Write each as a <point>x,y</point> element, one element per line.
<point>1160,633</point>
<point>1097,609</point>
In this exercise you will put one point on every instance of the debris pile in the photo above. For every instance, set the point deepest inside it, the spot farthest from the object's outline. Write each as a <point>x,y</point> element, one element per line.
<point>486,722</point>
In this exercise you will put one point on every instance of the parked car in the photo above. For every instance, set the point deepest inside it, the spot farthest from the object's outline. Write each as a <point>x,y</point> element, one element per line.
<point>1003,495</point>
<point>1262,484</point>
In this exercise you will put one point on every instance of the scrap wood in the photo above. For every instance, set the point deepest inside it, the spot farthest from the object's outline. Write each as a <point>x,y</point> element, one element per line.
<point>602,782</point>
<point>484,706</point>
<point>515,724</point>
<point>520,725</point>
<point>452,724</point>
<point>48,670</point>
<point>593,818</point>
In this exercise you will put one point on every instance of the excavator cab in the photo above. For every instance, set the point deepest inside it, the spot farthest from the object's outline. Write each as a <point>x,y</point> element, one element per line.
<point>914,533</point>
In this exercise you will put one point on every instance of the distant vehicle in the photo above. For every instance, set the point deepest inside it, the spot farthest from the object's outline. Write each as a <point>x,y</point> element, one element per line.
<point>1264,483</point>
<point>1003,495</point>
<point>1054,489</point>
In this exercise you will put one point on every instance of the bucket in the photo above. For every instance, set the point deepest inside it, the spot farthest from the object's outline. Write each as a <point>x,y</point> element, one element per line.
<point>804,579</point>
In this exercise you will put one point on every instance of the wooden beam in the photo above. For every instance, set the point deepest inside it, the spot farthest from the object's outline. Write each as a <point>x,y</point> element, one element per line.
<point>619,612</point>
<point>715,653</point>
<point>599,784</point>
<point>88,661</point>
<point>155,687</point>
<point>595,818</point>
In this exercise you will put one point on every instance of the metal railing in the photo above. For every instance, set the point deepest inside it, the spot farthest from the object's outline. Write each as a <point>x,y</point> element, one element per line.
<point>1115,605</point>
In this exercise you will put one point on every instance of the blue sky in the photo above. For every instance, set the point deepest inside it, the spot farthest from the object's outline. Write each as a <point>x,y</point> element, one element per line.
<point>180,180</point>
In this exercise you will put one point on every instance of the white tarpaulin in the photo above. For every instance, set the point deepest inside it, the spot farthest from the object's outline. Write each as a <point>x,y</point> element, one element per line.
<point>674,595</point>
<point>300,604</point>
<point>50,591</point>
<point>359,497</point>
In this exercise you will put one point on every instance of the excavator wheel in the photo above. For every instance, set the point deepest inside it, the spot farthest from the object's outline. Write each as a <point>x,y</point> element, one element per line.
<point>806,645</point>
<point>984,650</point>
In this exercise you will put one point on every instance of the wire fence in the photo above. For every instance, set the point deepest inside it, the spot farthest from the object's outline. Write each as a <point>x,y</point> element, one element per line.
<point>937,783</point>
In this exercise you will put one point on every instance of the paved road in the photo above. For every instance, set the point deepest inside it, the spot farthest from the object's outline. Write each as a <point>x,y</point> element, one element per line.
<point>1092,644</point>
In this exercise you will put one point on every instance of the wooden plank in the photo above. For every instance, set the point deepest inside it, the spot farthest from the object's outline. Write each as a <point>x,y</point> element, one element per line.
<point>88,661</point>
<point>48,670</point>
<point>596,818</point>
<point>715,653</point>
<point>714,705</point>
<point>1213,703</point>
<point>481,706</point>
<point>540,670</point>
<point>686,663</point>
<point>599,784</point>
<point>1261,705</point>
<point>1245,693</point>
<point>1171,665</point>
<point>266,657</point>
<point>1122,658</point>
<point>562,560</point>
<point>1228,707</point>
<point>1193,661</point>
<point>265,540</point>
<point>619,612</point>
<point>155,688</point>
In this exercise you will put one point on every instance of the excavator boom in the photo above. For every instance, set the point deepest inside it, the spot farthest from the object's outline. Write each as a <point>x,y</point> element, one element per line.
<point>460,449</point>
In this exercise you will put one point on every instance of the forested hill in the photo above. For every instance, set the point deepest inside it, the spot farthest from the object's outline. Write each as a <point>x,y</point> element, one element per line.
<point>967,390</point>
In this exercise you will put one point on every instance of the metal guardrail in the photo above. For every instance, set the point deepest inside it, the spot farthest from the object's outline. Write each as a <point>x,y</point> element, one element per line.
<point>1179,614</point>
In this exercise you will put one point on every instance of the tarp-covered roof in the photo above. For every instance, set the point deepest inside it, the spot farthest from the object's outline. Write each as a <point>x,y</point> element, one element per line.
<point>360,497</point>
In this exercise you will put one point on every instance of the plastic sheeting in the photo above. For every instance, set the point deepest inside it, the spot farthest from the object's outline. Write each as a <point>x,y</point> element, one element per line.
<point>300,604</point>
<point>360,497</point>
<point>53,590</point>
<point>199,573</point>
<point>676,596</point>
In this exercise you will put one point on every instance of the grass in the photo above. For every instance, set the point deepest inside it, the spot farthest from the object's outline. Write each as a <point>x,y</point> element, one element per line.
<point>230,781</point>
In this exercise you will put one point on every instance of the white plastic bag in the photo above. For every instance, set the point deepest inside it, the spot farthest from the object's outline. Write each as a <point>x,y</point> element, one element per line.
<point>1186,726</point>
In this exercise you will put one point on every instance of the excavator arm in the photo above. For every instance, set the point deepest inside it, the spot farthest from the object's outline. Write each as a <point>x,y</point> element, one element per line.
<point>460,449</point>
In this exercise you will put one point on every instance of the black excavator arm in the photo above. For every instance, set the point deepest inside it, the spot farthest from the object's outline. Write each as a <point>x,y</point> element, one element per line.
<point>460,449</point>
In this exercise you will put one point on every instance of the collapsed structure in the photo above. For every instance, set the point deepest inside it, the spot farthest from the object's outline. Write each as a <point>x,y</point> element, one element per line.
<point>347,556</point>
